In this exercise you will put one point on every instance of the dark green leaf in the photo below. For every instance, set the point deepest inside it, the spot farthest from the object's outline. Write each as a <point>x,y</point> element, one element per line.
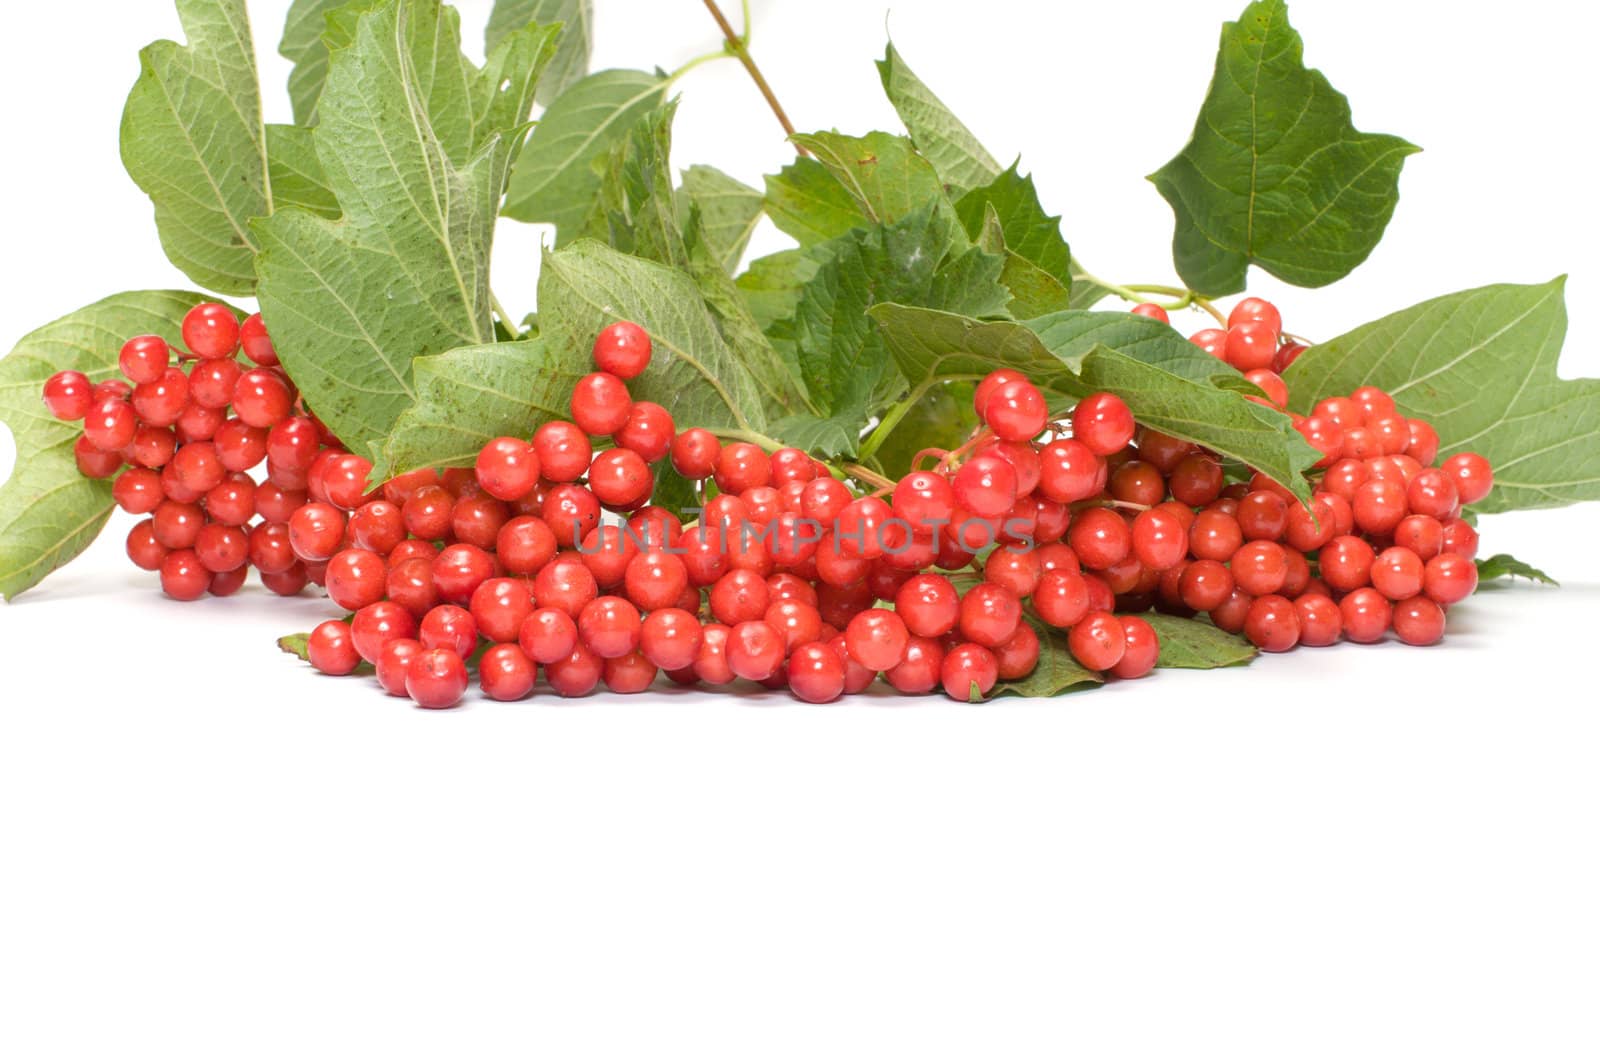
<point>728,209</point>
<point>1480,366</point>
<point>471,395</point>
<point>555,179</point>
<point>192,140</point>
<point>1275,173</point>
<point>1057,672</point>
<point>941,418</point>
<point>416,149</point>
<point>693,373</point>
<point>1029,232</point>
<point>48,511</point>
<point>1197,643</point>
<point>571,60</point>
<point>1504,566</point>
<point>960,161</point>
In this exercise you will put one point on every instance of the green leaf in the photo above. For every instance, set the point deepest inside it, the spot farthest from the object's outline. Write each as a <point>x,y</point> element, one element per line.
<point>1169,384</point>
<point>882,173</point>
<point>1197,643</point>
<point>1275,173</point>
<point>960,161</point>
<point>49,512</point>
<point>672,492</point>
<point>416,149</point>
<point>1056,673</point>
<point>471,395</point>
<point>922,259</point>
<point>297,645</point>
<point>1480,366</point>
<point>1504,566</point>
<point>729,211</point>
<point>192,140</point>
<point>297,176</point>
<point>693,373</point>
<point>1034,292</point>
<point>555,179</point>
<point>772,285</point>
<point>804,201</point>
<point>303,46</point>
<point>1029,232</point>
<point>1086,291</point>
<point>571,60</point>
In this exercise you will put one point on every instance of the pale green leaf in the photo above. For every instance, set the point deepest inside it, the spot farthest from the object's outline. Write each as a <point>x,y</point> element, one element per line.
<point>49,512</point>
<point>296,172</point>
<point>571,60</point>
<point>1193,643</point>
<point>693,373</point>
<point>555,179</point>
<point>883,174</point>
<point>959,159</point>
<point>303,46</point>
<point>416,144</point>
<point>729,211</point>
<point>1275,173</point>
<point>1480,366</point>
<point>1504,566</point>
<point>1058,672</point>
<point>806,202</point>
<point>192,140</point>
<point>470,395</point>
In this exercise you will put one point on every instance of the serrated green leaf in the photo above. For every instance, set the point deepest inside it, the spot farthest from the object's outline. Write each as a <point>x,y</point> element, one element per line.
<point>48,511</point>
<point>959,159</point>
<point>555,180</point>
<point>1057,672</point>
<point>302,45</point>
<point>297,645</point>
<point>1169,384</point>
<point>1028,230</point>
<point>416,149</point>
<point>1275,173</point>
<point>571,60</point>
<point>882,173</point>
<point>1187,643</point>
<point>806,202</point>
<point>923,258</point>
<point>1480,366</point>
<point>192,140</point>
<point>470,395</point>
<point>1504,566</point>
<point>693,373</point>
<point>296,173</point>
<point>771,286</point>
<point>728,209</point>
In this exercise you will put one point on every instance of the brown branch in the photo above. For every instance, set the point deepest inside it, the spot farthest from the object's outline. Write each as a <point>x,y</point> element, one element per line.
<point>736,46</point>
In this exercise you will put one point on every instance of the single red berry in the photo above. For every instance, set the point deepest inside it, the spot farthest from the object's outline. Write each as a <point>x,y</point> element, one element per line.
<point>270,550</point>
<point>570,512</point>
<point>1100,537</point>
<point>68,395</point>
<point>376,625</point>
<point>144,359</point>
<point>1272,623</point>
<point>436,678</point>
<point>1211,340</point>
<point>222,547</point>
<point>1016,411</point>
<point>316,530</point>
<point>508,468</point>
<point>648,431</point>
<point>499,608</point>
<point>460,569</point>
<point>876,638</point>
<point>670,638</point>
<point>1141,649</point>
<point>1418,621</point>
<point>261,398</point>
<point>138,491</point>
<point>985,486</point>
<point>1471,475</point>
<point>576,675</point>
<point>620,479</point>
<point>600,404</point>
<point>741,466</point>
<point>392,663</point>
<point>695,452</point>
<point>110,425</point>
<point>632,673</point>
<point>1062,598</point>
<point>1258,310</point>
<point>565,584</point>
<point>449,627</point>
<point>1152,311</point>
<point>1160,540</point>
<point>256,343</point>
<point>987,386</point>
<point>505,673</point>
<point>622,349</point>
<point>563,451</point>
<point>356,578</point>
<point>1250,345</point>
<point>548,635</point>
<point>989,615</point>
<point>1366,615</point>
<point>1449,578</point>
<point>816,672</point>
<point>969,672</point>
<point>754,650</point>
<point>1103,423</point>
<point>211,331</point>
<point>330,648</point>
<point>919,669</point>
<point>1098,641</point>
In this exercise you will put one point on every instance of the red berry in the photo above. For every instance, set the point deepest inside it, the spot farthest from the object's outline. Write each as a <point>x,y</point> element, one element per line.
<point>138,491</point>
<point>1397,574</point>
<point>632,673</point>
<point>989,615</point>
<point>449,627</point>
<point>575,675</point>
<point>1062,598</point>
<point>507,468</point>
<point>1211,340</point>
<point>648,431</point>
<point>570,512</point>
<point>695,452</point>
<point>876,639</point>
<point>1016,411</point>
<point>548,635</point>
<point>261,398</point>
<point>988,385</point>
<point>1272,623</point>
<point>110,425</point>
<point>144,359</point>
<point>656,579</point>
<point>711,659</point>
<point>969,672</point>
<point>316,530</point>
<point>1160,540</point>
<point>505,673</point>
<point>919,669</point>
<point>392,663</point>
<point>376,625</point>
<point>211,331</point>
<point>1418,621</point>
<point>1018,655</point>
<point>211,384</point>
<point>68,395</point>
<point>563,451</point>
<point>1103,423</point>
<point>222,547</point>
<point>1258,310</point>
<point>144,549</point>
<point>816,672</point>
<point>923,500</point>
<point>566,584</point>
<point>256,343</point>
<point>1100,538</point>
<point>986,486</point>
<point>1152,311</point>
<point>755,650</point>
<point>436,678</point>
<point>600,404</point>
<point>741,466</point>
<point>620,479</point>
<point>1250,345</point>
<point>1365,614</point>
<point>670,639</point>
<point>1471,474</point>
<point>1015,570</point>
<point>1098,641</point>
<point>330,648</point>
<point>1449,578</point>
<point>928,605</point>
<point>499,608</point>
<point>1141,648</point>
<point>622,349</point>
<point>1259,567</point>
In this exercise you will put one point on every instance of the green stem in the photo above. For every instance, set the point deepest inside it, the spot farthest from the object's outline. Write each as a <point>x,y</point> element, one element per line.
<point>744,12</point>
<point>892,418</point>
<point>500,312</point>
<point>1135,293</point>
<point>721,53</point>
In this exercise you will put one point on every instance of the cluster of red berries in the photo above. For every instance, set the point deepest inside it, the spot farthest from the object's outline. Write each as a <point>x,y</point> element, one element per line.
<point>1076,520</point>
<point>181,445</point>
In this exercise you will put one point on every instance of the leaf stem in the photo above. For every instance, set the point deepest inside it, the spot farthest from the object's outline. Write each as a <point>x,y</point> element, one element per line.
<point>721,53</point>
<point>737,45</point>
<point>1135,293</point>
<point>866,475</point>
<point>500,312</point>
<point>892,418</point>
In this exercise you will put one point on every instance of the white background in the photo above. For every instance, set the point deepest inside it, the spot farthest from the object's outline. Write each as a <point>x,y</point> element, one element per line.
<point>207,853</point>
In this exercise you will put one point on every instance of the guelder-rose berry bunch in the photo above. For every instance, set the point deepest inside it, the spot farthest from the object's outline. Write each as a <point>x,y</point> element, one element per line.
<point>548,556</point>
<point>178,433</point>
